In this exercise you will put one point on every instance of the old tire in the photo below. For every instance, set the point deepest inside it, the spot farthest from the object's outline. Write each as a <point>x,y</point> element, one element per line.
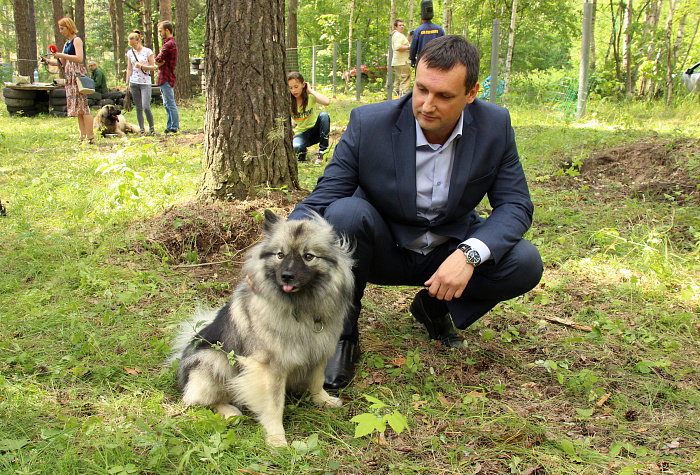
<point>19,102</point>
<point>112,95</point>
<point>18,94</point>
<point>59,113</point>
<point>58,93</point>
<point>60,108</point>
<point>105,102</point>
<point>58,101</point>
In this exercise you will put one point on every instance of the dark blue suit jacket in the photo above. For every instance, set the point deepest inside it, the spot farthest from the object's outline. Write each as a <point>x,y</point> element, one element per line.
<point>376,159</point>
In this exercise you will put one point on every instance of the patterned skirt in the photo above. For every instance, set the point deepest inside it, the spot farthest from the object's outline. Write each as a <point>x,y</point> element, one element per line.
<point>76,103</point>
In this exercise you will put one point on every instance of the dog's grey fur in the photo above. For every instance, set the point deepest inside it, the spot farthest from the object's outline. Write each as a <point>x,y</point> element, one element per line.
<point>282,325</point>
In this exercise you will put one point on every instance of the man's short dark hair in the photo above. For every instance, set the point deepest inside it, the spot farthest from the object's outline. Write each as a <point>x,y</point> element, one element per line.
<point>396,23</point>
<point>167,25</point>
<point>445,52</point>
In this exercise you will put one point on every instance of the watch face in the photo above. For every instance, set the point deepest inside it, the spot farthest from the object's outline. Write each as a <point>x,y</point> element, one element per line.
<point>473,257</point>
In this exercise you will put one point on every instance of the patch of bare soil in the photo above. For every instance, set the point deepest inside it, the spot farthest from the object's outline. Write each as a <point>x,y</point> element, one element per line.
<point>196,233</point>
<point>655,169</point>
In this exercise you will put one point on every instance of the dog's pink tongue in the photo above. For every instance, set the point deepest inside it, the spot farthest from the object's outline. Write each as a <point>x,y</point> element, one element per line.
<point>287,288</point>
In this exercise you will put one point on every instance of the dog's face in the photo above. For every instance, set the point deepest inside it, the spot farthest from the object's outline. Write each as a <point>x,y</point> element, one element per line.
<point>109,113</point>
<point>298,255</point>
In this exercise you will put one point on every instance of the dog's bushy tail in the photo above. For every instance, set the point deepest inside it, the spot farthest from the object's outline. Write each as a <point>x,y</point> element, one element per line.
<point>188,329</point>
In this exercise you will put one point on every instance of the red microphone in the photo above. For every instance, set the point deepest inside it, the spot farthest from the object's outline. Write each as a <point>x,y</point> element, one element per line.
<point>53,49</point>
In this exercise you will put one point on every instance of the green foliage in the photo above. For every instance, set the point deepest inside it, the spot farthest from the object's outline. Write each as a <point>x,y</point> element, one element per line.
<point>378,418</point>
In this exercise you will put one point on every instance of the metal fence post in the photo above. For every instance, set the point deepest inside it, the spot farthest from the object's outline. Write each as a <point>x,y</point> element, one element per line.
<point>389,73</point>
<point>493,84</point>
<point>358,70</point>
<point>335,67</point>
<point>313,66</point>
<point>585,50</point>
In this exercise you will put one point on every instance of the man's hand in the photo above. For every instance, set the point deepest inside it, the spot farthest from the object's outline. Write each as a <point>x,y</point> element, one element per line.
<point>451,278</point>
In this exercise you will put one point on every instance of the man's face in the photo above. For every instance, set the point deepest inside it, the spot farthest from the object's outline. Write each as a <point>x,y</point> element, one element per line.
<point>400,27</point>
<point>93,67</point>
<point>162,32</point>
<point>439,97</point>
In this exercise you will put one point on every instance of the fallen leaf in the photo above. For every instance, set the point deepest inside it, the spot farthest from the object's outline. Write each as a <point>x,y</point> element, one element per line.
<point>444,401</point>
<point>398,361</point>
<point>133,372</point>
<point>603,399</point>
<point>417,404</point>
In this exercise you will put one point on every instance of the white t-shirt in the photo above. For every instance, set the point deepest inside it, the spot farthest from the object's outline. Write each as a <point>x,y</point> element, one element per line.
<point>139,76</point>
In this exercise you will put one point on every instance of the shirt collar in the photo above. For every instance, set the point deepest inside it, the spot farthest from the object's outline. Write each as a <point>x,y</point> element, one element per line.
<point>456,132</point>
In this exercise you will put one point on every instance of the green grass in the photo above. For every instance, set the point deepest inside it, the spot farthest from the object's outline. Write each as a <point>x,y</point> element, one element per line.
<point>85,322</point>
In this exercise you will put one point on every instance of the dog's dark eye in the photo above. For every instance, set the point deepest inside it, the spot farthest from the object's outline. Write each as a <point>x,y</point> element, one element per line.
<point>280,255</point>
<point>309,257</point>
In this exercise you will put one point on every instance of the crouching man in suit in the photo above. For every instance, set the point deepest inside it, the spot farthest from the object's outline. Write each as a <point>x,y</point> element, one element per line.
<point>403,184</point>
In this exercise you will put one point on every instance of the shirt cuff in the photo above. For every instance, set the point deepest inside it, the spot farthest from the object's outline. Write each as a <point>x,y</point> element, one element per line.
<point>480,247</point>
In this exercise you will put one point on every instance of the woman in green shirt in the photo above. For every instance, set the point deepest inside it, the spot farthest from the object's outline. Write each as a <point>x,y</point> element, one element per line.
<point>312,126</point>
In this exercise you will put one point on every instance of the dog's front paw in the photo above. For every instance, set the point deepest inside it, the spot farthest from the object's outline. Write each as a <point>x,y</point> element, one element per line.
<point>323,399</point>
<point>228,410</point>
<point>276,440</point>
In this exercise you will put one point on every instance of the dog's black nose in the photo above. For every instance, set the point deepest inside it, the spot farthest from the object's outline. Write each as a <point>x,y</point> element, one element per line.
<point>287,277</point>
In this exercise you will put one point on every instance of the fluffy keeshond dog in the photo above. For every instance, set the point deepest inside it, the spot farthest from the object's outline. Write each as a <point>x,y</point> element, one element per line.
<point>279,329</point>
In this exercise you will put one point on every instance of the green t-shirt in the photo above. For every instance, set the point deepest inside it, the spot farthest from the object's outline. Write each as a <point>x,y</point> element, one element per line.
<point>100,81</point>
<point>306,119</point>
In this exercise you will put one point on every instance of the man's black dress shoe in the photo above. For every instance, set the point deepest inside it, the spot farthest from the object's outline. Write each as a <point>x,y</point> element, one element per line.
<point>341,367</point>
<point>440,327</point>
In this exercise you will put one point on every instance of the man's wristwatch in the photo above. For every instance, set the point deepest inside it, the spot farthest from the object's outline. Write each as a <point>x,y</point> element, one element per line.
<point>471,254</point>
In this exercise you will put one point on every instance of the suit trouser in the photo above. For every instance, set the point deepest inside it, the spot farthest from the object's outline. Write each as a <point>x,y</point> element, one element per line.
<point>380,260</point>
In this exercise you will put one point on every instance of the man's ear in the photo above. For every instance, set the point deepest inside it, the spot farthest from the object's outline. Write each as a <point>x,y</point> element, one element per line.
<point>471,95</point>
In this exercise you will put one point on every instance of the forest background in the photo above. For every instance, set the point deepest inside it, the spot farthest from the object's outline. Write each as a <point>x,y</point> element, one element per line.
<point>639,49</point>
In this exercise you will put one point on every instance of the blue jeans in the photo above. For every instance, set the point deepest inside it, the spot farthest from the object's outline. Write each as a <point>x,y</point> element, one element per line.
<point>318,134</point>
<point>168,94</point>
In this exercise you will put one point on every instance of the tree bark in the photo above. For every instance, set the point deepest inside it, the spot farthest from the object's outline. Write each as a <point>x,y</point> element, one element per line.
<point>350,23</point>
<point>593,13</point>
<point>80,22</point>
<point>392,16</point>
<point>146,22</point>
<point>25,29</point>
<point>670,60</point>
<point>166,11</point>
<point>626,48</point>
<point>183,86</point>
<point>292,34</point>
<point>509,54</point>
<point>410,17</point>
<point>121,38</point>
<point>447,16</point>
<point>247,123</point>
<point>57,14</point>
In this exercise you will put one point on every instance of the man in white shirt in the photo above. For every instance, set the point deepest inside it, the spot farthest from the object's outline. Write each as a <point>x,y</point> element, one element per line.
<point>400,63</point>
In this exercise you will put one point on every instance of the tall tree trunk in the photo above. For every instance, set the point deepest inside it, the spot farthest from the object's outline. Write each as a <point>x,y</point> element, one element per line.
<point>57,14</point>
<point>593,13</point>
<point>392,17</point>
<point>113,31</point>
<point>410,16</point>
<point>352,15</point>
<point>247,141</point>
<point>121,38</point>
<point>447,16</point>
<point>690,45</point>
<point>292,44</point>
<point>670,60</point>
<point>651,22</point>
<point>626,48</point>
<point>509,54</point>
<point>183,86</point>
<point>80,21</point>
<point>146,22</point>
<point>166,11</point>
<point>25,29</point>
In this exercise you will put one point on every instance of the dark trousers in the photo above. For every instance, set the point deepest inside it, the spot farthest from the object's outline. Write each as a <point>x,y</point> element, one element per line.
<point>318,134</point>
<point>379,260</point>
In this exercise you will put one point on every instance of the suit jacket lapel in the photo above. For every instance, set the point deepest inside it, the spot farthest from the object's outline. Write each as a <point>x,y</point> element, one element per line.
<point>404,148</point>
<point>462,162</point>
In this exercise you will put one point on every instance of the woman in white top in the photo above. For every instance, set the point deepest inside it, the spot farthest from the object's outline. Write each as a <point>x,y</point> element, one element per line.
<point>140,61</point>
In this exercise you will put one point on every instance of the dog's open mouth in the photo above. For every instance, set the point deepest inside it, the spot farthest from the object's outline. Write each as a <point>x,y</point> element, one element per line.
<point>289,288</point>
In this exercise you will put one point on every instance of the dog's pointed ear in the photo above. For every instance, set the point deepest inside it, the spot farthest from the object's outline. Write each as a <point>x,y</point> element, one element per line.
<point>270,219</point>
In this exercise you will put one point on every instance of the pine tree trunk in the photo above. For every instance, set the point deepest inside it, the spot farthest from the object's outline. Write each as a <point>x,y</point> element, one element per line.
<point>57,14</point>
<point>146,14</point>
<point>25,29</point>
<point>509,54</point>
<point>183,86</point>
<point>247,123</point>
<point>292,32</point>
<point>121,39</point>
<point>166,11</point>
<point>80,22</point>
<point>626,48</point>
